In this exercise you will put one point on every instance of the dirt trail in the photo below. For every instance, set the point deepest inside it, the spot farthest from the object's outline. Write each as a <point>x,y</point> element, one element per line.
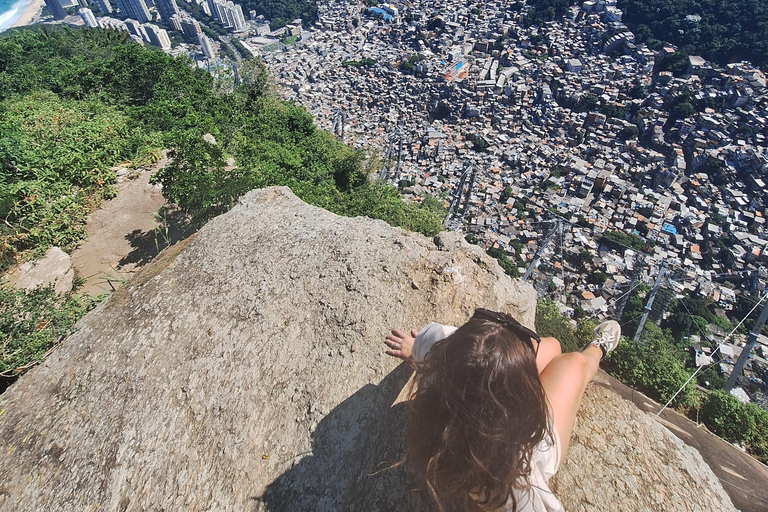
<point>125,233</point>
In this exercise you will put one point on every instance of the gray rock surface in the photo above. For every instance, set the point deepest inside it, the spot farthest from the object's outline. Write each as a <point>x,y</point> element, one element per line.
<point>55,268</point>
<point>621,458</point>
<point>243,370</point>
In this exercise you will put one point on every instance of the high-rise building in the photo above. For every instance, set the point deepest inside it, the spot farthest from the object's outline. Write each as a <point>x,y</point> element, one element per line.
<point>136,9</point>
<point>88,18</point>
<point>237,17</point>
<point>228,13</point>
<point>137,30</point>
<point>157,36</point>
<point>187,25</point>
<point>176,22</point>
<point>56,9</point>
<point>208,50</point>
<point>113,23</point>
<point>167,8</point>
<point>104,6</point>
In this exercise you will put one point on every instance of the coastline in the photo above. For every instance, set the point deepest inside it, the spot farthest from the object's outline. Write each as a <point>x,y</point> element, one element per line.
<point>21,13</point>
<point>31,11</point>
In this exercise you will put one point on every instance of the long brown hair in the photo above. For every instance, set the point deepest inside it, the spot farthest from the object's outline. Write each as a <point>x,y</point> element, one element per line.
<point>477,411</point>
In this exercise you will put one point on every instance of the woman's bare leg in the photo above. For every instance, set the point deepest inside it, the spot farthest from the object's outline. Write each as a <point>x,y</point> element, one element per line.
<point>549,348</point>
<point>564,380</point>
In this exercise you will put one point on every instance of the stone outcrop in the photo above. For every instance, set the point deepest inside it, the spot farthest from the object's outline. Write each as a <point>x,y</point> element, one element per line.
<point>621,458</point>
<point>54,269</point>
<point>243,369</point>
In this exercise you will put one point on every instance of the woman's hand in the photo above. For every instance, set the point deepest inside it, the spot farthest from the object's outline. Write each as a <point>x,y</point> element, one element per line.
<point>400,344</point>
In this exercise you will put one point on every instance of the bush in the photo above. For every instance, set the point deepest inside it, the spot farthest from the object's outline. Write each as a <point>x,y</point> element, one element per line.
<point>724,415</point>
<point>653,368</point>
<point>32,322</point>
<point>550,322</point>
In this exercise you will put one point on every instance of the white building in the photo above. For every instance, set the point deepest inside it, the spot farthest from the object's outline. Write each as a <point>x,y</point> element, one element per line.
<point>208,50</point>
<point>88,18</point>
<point>158,36</point>
<point>228,13</point>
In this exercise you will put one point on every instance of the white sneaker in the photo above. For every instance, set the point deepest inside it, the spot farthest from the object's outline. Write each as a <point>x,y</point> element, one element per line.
<point>607,336</point>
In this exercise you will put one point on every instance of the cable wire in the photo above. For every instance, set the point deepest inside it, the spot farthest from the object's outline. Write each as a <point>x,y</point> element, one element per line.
<point>713,352</point>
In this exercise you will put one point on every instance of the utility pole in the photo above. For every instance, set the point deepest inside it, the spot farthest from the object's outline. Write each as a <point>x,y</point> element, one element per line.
<point>456,199</point>
<point>393,135</point>
<point>649,304</point>
<point>751,340</point>
<point>339,118</point>
<point>543,246</point>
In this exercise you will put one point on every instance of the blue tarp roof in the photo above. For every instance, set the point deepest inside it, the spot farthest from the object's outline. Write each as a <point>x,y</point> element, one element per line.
<point>380,11</point>
<point>669,228</point>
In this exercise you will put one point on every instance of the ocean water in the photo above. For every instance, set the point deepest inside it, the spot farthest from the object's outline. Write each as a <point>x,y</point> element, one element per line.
<point>10,11</point>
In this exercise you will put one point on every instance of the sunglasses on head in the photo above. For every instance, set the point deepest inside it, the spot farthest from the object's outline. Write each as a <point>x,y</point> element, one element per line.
<point>524,333</point>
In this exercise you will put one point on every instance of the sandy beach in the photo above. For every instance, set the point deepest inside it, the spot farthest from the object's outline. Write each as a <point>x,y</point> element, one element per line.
<point>31,11</point>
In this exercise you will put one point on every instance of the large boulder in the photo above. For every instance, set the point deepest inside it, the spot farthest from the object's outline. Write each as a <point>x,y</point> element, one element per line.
<point>243,370</point>
<point>53,269</point>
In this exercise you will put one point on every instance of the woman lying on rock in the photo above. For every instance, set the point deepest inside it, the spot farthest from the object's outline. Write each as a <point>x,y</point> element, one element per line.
<point>492,409</point>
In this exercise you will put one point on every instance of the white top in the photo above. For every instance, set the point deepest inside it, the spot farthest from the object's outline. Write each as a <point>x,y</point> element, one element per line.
<point>545,459</point>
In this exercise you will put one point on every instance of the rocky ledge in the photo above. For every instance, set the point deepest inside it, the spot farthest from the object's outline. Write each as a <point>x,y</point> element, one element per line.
<point>243,370</point>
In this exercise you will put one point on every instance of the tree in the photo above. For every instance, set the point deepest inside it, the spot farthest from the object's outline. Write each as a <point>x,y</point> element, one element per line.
<point>597,278</point>
<point>504,262</point>
<point>549,322</point>
<point>655,367</point>
<point>628,133</point>
<point>587,102</point>
<point>724,415</point>
<point>682,110</point>
<point>615,111</point>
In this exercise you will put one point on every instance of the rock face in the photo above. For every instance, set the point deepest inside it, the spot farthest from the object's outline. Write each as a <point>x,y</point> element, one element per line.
<point>55,268</point>
<point>621,458</point>
<point>243,370</point>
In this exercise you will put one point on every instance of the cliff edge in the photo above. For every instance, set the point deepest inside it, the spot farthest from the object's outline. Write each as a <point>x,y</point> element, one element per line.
<point>243,370</point>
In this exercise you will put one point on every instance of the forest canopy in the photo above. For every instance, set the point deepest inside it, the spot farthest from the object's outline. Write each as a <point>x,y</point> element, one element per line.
<point>281,12</point>
<point>727,31</point>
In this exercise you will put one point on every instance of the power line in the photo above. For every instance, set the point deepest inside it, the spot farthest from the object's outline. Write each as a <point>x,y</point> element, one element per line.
<point>649,303</point>
<point>713,353</point>
<point>751,341</point>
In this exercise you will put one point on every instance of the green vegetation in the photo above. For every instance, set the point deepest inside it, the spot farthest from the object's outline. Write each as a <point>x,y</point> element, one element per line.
<point>729,30</point>
<point>586,103</point>
<point>657,368</point>
<point>112,101</point>
<point>690,315</point>
<point>545,10</point>
<point>242,50</point>
<point>628,133</point>
<point>410,64</point>
<point>509,267</point>
<point>615,111</point>
<point>621,241</point>
<point>74,103</point>
<point>362,63</point>
<point>281,12</point>
<point>550,322</point>
<point>736,422</point>
<point>31,323</point>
